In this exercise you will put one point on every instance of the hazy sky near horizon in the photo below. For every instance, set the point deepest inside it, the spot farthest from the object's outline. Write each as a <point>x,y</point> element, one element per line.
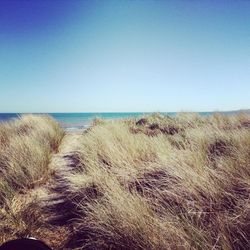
<point>114,56</point>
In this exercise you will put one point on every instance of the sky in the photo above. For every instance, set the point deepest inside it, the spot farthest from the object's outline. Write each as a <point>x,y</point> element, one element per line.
<point>124,55</point>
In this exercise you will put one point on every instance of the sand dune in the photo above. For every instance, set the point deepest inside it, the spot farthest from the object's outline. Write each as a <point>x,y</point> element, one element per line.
<point>154,182</point>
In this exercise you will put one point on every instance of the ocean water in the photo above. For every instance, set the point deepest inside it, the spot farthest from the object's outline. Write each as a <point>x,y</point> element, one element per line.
<point>83,120</point>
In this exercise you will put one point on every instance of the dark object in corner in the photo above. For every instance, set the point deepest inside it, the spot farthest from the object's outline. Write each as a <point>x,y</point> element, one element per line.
<point>24,244</point>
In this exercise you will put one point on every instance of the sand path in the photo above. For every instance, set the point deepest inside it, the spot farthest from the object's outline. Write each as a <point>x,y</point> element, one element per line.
<point>50,195</point>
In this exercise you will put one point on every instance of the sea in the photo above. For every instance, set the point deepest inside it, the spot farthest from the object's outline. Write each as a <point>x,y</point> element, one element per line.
<point>72,121</point>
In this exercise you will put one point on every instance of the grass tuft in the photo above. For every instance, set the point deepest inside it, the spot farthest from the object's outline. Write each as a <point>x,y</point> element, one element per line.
<point>25,151</point>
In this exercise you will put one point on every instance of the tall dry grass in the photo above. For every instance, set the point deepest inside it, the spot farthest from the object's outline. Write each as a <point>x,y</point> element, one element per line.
<point>156,182</point>
<point>161,182</point>
<point>26,145</point>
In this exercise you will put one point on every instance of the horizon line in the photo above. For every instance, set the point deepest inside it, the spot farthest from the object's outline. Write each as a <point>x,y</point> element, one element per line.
<point>93,112</point>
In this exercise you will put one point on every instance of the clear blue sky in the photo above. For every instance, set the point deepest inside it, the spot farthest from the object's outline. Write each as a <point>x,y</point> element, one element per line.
<point>80,56</point>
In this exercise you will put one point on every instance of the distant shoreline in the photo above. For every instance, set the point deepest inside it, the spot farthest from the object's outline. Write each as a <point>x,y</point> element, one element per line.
<point>81,121</point>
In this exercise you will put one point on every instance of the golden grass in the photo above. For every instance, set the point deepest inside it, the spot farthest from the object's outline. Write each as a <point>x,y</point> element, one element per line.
<point>155,182</point>
<point>162,183</point>
<point>25,151</point>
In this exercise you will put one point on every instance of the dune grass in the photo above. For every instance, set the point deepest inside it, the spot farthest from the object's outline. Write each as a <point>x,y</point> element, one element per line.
<point>162,182</point>
<point>155,182</point>
<point>26,145</point>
